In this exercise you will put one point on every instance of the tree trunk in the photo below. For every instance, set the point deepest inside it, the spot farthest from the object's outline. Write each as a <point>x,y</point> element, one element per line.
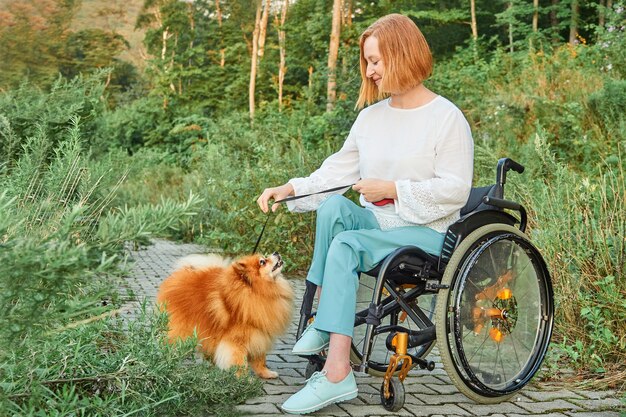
<point>263,29</point>
<point>573,26</point>
<point>333,50</point>
<point>474,24</point>
<point>281,46</point>
<point>554,22</point>
<point>346,21</point>
<point>511,49</point>
<point>310,85</point>
<point>601,12</point>
<point>218,11</point>
<point>253,58</point>
<point>346,18</point>
<point>164,37</point>
<point>535,16</point>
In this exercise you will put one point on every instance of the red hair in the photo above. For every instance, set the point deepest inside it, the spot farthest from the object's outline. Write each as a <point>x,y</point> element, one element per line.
<point>405,55</point>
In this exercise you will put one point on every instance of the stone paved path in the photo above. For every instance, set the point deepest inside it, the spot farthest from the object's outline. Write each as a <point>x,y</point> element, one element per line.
<point>428,393</point>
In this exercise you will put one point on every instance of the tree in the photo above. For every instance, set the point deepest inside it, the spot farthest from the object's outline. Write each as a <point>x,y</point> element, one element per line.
<point>91,49</point>
<point>573,27</point>
<point>32,35</point>
<point>281,45</point>
<point>333,49</point>
<point>473,22</point>
<point>254,58</point>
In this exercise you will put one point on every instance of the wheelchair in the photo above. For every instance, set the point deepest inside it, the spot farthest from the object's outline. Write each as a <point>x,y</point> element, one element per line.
<point>486,302</point>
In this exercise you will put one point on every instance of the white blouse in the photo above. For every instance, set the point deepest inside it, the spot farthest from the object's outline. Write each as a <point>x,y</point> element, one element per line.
<point>427,151</point>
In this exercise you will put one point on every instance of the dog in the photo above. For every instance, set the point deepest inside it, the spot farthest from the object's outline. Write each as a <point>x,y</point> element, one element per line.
<point>236,308</point>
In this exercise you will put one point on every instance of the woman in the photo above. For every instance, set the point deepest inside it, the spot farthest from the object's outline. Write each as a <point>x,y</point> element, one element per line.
<point>409,156</point>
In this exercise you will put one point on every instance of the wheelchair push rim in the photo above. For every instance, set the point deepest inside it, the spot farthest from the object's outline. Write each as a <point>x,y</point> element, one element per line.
<point>495,321</point>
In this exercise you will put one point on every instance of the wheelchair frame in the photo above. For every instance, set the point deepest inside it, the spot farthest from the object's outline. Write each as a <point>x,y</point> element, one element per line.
<point>411,268</point>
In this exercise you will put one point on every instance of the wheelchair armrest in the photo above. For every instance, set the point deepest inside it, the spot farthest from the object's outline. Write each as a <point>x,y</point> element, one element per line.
<point>511,205</point>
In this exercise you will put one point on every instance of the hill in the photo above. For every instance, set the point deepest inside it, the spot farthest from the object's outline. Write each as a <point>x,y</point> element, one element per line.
<point>115,15</point>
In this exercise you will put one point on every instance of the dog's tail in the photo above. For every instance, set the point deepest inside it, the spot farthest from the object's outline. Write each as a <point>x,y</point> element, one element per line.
<point>197,261</point>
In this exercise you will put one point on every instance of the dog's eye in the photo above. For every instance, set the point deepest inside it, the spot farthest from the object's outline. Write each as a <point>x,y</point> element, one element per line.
<point>262,261</point>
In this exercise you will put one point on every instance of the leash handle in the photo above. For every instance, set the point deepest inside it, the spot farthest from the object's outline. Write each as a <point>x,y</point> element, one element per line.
<point>296,197</point>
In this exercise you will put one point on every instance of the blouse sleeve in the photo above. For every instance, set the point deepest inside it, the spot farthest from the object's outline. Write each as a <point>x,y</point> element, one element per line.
<point>341,168</point>
<point>426,201</point>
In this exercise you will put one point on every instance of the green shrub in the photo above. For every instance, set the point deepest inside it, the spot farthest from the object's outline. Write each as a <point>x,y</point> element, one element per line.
<point>111,367</point>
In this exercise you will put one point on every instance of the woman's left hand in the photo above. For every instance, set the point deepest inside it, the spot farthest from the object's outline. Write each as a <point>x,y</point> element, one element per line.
<point>374,190</point>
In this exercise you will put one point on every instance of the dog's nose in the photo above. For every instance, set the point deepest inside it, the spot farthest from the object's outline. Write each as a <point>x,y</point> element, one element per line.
<point>276,254</point>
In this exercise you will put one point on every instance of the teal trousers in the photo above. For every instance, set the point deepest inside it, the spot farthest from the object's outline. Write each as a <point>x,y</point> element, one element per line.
<point>348,240</point>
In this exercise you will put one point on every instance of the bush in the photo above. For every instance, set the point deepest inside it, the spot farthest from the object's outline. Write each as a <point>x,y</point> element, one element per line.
<point>60,240</point>
<point>109,367</point>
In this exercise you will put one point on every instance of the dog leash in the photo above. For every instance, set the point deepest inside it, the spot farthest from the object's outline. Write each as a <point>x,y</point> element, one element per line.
<point>284,200</point>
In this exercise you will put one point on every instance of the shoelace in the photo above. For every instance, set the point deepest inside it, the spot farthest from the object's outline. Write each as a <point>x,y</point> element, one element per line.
<point>316,377</point>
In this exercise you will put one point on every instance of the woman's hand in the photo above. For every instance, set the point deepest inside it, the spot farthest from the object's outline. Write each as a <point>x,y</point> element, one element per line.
<point>374,190</point>
<point>275,193</point>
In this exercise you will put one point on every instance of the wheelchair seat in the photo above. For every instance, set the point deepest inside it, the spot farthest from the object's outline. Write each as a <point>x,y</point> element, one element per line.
<point>408,266</point>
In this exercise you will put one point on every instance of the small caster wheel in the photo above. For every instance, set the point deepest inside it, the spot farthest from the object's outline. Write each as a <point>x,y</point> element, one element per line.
<point>396,395</point>
<point>312,367</point>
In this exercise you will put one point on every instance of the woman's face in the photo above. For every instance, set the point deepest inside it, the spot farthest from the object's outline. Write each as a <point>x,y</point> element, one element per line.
<point>375,67</point>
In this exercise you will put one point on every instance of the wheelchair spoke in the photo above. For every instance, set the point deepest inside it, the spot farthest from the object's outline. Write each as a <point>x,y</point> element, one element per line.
<point>479,347</point>
<point>502,365</point>
<point>515,350</point>
<point>494,268</point>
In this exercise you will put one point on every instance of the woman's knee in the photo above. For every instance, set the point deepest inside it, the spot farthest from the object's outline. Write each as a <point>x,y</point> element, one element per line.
<point>344,244</point>
<point>333,207</point>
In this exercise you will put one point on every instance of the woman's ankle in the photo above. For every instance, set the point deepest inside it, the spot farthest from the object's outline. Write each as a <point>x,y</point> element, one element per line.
<point>337,374</point>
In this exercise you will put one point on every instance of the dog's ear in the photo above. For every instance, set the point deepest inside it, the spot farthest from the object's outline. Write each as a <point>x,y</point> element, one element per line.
<point>240,268</point>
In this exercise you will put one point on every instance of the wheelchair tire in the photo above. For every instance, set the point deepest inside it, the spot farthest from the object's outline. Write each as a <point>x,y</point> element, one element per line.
<point>495,320</point>
<point>380,355</point>
<point>396,400</point>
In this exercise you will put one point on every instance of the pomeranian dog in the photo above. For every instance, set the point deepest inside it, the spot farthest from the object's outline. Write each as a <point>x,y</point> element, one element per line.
<point>236,308</point>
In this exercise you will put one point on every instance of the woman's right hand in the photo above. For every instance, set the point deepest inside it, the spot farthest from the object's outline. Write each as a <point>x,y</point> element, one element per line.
<point>276,194</point>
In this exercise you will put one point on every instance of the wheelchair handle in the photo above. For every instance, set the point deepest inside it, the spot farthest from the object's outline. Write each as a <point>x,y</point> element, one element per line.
<point>504,165</point>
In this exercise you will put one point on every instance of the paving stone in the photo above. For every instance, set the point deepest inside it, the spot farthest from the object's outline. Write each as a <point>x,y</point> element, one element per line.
<point>280,389</point>
<point>431,410</point>
<point>487,409</point>
<point>596,414</point>
<point>548,406</point>
<point>368,410</point>
<point>265,408</point>
<point>537,415</point>
<point>600,404</point>
<point>444,398</point>
<point>427,380</point>
<point>550,395</point>
<point>443,389</point>
<point>596,395</point>
<point>419,389</point>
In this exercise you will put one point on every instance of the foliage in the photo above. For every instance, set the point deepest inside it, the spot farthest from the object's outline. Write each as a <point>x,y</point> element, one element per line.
<point>28,114</point>
<point>113,367</point>
<point>61,239</point>
<point>585,250</point>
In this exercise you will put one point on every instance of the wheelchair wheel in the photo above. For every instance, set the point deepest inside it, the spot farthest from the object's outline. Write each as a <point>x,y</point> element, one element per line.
<point>396,398</point>
<point>380,354</point>
<point>495,320</point>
